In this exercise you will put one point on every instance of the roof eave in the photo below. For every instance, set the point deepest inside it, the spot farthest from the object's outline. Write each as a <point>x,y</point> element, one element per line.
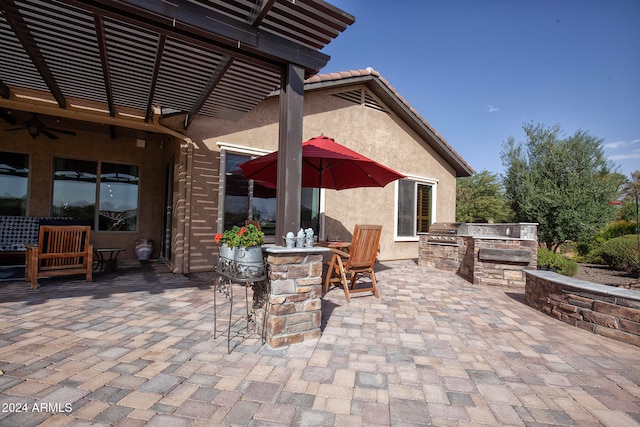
<point>403,110</point>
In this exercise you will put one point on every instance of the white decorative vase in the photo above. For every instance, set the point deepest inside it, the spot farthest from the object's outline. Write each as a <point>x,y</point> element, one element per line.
<point>143,249</point>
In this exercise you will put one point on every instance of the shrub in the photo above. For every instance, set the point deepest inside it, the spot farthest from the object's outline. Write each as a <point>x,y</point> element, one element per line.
<point>616,229</point>
<point>620,253</point>
<point>589,251</point>
<point>583,249</point>
<point>547,259</point>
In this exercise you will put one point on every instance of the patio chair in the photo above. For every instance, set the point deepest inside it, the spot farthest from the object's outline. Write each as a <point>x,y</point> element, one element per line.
<point>345,268</point>
<point>253,222</point>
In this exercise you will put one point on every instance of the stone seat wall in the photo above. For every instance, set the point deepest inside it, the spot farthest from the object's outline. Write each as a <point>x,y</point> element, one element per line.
<point>601,309</point>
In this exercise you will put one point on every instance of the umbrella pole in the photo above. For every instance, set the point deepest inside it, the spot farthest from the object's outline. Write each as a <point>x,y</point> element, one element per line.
<point>318,216</point>
<point>319,189</point>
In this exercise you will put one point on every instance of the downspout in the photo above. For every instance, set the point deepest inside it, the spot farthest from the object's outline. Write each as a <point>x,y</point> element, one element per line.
<point>178,233</point>
<point>187,211</point>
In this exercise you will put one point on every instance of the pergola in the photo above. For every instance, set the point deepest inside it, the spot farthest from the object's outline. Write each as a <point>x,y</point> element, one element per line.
<point>126,63</point>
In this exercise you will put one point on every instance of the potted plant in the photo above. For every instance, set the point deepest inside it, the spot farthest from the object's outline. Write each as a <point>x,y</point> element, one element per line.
<point>227,249</point>
<point>243,246</point>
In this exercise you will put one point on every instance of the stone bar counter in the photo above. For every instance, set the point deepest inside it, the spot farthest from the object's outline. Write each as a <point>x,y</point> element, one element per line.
<point>294,300</point>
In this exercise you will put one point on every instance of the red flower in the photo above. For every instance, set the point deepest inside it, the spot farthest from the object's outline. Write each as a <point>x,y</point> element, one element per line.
<point>242,231</point>
<point>218,237</point>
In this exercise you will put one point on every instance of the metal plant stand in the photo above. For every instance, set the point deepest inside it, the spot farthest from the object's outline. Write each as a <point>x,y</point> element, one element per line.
<point>229,273</point>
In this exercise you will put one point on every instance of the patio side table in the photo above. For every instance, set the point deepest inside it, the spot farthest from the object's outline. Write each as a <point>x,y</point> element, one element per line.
<point>102,262</point>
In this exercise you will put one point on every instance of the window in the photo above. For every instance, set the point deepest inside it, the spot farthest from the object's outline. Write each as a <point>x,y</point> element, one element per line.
<point>242,196</point>
<point>74,188</point>
<point>79,185</point>
<point>414,207</point>
<point>14,180</point>
<point>118,197</point>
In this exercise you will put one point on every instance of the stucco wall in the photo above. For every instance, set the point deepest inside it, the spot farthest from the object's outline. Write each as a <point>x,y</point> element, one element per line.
<point>376,134</point>
<point>95,145</point>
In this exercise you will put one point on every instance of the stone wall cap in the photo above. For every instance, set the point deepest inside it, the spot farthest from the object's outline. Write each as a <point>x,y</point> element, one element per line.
<point>584,285</point>
<point>273,249</point>
<point>478,236</point>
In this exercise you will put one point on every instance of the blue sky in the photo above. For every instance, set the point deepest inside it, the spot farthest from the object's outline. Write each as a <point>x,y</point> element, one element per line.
<point>477,70</point>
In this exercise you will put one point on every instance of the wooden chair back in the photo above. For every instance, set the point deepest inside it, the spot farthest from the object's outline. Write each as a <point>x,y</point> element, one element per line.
<point>253,222</point>
<point>346,268</point>
<point>364,246</point>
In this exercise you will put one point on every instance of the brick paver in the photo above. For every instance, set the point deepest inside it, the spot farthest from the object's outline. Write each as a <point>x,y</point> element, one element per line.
<point>137,348</point>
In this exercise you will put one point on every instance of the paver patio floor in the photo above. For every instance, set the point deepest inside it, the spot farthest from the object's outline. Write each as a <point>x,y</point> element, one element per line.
<point>137,348</point>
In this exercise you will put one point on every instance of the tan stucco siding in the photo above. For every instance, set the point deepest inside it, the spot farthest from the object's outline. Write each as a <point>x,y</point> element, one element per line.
<point>203,207</point>
<point>384,138</point>
<point>380,135</point>
<point>373,133</point>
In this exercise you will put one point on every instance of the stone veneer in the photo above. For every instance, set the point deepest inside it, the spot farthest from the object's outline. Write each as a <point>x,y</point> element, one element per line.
<point>485,254</point>
<point>601,309</point>
<point>493,271</point>
<point>294,302</point>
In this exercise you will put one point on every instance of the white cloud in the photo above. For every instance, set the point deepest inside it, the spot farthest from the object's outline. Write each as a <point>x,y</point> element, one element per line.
<point>620,144</point>
<point>635,154</point>
<point>491,108</point>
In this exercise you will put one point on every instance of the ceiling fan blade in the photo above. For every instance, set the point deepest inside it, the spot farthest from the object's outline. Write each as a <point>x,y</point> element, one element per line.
<point>48,134</point>
<point>66,132</point>
<point>23,127</point>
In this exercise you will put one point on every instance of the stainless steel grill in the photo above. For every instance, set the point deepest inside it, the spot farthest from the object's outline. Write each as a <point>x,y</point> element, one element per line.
<point>444,232</point>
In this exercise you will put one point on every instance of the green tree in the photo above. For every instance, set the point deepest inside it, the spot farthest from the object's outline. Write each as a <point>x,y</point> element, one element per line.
<point>563,184</point>
<point>630,189</point>
<point>480,198</point>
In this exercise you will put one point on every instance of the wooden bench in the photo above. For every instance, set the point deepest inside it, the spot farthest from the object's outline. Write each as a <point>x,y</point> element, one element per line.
<point>62,250</point>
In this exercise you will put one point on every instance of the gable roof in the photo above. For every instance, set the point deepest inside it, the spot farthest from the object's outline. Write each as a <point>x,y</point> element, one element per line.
<point>393,100</point>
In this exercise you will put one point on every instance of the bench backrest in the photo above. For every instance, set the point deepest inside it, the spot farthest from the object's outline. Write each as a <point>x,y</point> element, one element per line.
<point>15,231</point>
<point>63,245</point>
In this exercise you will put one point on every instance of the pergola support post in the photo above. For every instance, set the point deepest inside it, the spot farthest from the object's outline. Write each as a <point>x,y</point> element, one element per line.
<point>289,190</point>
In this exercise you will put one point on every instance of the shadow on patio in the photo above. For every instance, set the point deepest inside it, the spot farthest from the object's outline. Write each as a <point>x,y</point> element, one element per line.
<point>152,278</point>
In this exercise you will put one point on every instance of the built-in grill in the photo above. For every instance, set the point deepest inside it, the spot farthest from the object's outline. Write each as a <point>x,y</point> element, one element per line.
<point>445,232</point>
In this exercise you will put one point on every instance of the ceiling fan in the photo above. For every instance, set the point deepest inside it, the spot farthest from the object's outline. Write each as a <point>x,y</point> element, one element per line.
<point>35,127</point>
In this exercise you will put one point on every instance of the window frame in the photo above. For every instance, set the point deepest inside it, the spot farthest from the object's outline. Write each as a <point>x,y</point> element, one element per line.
<point>252,153</point>
<point>416,180</point>
<point>99,196</point>
<point>98,193</point>
<point>28,177</point>
<point>222,181</point>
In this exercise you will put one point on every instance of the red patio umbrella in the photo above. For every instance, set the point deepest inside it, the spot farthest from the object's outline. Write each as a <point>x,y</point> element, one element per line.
<point>325,164</point>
